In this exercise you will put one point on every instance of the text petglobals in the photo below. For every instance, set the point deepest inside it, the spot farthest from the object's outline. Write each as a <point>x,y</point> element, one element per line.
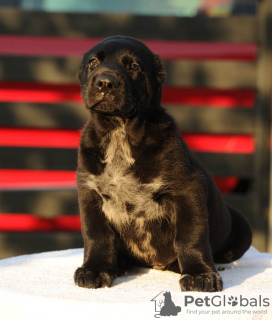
<point>223,301</point>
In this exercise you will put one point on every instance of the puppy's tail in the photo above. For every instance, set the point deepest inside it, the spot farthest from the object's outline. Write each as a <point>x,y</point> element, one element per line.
<point>239,240</point>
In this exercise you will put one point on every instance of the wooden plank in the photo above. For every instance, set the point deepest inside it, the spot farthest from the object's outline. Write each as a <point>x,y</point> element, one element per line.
<point>54,202</point>
<point>38,158</point>
<point>208,120</point>
<point>14,244</point>
<point>168,50</point>
<point>234,29</point>
<point>213,120</point>
<point>214,74</point>
<point>179,73</point>
<point>204,118</point>
<point>39,69</point>
<point>43,115</point>
<point>223,164</point>
<point>218,164</point>
<point>44,203</point>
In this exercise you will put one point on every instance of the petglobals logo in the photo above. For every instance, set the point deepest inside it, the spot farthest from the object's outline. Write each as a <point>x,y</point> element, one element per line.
<point>164,305</point>
<point>223,301</point>
<point>222,304</point>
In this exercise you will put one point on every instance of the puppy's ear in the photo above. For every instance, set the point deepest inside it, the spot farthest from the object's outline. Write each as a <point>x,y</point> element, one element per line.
<point>160,72</point>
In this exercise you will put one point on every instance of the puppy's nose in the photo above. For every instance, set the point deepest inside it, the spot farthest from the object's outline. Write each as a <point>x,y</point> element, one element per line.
<point>106,83</point>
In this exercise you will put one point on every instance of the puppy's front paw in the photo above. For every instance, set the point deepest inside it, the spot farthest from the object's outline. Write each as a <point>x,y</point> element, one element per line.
<point>203,282</point>
<point>89,278</point>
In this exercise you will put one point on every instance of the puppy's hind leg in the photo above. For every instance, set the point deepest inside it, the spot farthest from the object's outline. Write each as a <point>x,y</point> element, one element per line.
<point>239,240</point>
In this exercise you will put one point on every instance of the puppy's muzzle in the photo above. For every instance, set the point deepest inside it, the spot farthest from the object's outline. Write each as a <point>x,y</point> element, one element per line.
<point>106,95</point>
<point>106,83</point>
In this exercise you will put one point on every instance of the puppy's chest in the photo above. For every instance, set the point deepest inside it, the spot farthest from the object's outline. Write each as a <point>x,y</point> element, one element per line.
<point>124,197</point>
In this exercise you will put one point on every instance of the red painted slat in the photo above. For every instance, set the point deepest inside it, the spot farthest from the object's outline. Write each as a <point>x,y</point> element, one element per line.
<point>220,143</point>
<point>28,223</point>
<point>174,50</point>
<point>42,138</point>
<point>226,184</point>
<point>226,98</point>
<point>57,93</point>
<point>70,139</point>
<point>33,179</point>
<point>39,92</point>
<point>168,50</point>
<point>41,179</point>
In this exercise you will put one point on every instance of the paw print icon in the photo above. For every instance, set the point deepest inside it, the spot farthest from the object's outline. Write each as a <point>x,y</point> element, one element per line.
<point>233,301</point>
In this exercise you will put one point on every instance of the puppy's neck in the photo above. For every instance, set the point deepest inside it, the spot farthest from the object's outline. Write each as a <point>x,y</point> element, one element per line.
<point>104,125</point>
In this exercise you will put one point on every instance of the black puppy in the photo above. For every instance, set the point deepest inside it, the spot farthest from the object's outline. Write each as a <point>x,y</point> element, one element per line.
<point>144,199</point>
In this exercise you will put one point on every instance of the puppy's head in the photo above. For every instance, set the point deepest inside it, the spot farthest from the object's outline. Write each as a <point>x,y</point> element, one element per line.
<point>121,76</point>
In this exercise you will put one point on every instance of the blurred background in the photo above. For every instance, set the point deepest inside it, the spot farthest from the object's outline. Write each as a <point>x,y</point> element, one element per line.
<point>217,54</point>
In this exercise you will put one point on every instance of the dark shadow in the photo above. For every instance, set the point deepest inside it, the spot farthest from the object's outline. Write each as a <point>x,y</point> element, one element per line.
<point>131,274</point>
<point>239,271</point>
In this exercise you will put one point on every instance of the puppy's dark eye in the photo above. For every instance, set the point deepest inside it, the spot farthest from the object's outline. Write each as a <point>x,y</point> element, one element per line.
<point>93,62</point>
<point>134,67</point>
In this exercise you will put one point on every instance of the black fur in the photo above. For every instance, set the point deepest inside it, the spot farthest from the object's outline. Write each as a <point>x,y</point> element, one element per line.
<point>144,199</point>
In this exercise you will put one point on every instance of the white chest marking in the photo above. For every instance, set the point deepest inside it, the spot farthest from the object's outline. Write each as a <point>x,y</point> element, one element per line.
<point>118,187</point>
